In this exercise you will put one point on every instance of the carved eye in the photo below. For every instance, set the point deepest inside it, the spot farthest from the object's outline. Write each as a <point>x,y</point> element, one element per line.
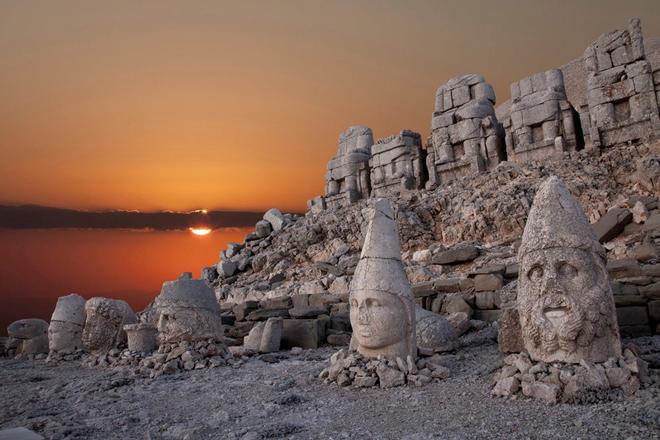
<point>566,270</point>
<point>535,273</point>
<point>373,302</point>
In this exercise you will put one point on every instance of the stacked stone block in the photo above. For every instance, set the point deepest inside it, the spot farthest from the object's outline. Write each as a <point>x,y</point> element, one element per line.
<point>347,178</point>
<point>466,136</point>
<point>542,121</point>
<point>623,106</point>
<point>397,164</point>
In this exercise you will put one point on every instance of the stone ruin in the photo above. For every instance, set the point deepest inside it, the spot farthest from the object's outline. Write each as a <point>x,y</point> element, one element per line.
<point>610,97</point>
<point>542,121</point>
<point>347,178</point>
<point>566,310</point>
<point>186,309</point>
<point>383,349</point>
<point>397,164</point>
<point>28,338</point>
<point>104,325</point>
<point>66,325</point>
<point>465,133</point>
<point>623,105</point>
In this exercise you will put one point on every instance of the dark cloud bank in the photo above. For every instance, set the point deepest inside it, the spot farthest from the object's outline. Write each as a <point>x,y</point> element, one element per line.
<point>42,217</point>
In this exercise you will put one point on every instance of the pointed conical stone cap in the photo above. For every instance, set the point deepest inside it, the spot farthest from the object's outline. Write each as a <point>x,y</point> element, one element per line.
<point>380,266</point>
<point>557,220</point>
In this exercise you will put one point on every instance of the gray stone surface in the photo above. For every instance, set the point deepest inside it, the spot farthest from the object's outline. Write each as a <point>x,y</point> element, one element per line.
<point>104,325</point>
<point>612,223</point>
<point>382,307</point>
<point>466,137</point>
<point>397,164</point>
<point>565,300</point>
<point>31,336</point>
<point>187,310</point>
<point>66,324</point>
<point>141,337</point>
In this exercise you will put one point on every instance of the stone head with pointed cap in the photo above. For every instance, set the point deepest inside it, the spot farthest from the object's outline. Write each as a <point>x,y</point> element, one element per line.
<point>565,300</point>
<point>382,304</point>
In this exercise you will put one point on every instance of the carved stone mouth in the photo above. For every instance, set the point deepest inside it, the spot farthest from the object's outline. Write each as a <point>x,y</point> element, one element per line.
<point>555,314</point>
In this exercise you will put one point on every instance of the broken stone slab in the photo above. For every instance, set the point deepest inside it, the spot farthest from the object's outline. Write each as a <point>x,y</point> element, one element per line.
<point>455,303</point>
<point>226,268</point>
<point>506,387</point>
<point>542,391</point>
<point>509,333</point>
<point>390,377</point>
<point>488,282</point>
<point>275,218</point>
<point>434,333</point>
<point>271,337</point>
<point>460,321</point>
<point>487,300</point>
<point>241,310</point>
<point>612,223</point>
<point>264,314</point>
<point>308,312</point>
<point>458,254</point>
<point>304,333</point>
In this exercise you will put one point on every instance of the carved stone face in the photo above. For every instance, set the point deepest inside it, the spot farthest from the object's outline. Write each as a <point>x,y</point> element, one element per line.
<point>64,336</point>
<point>379,319</point>
<point>566,307</point>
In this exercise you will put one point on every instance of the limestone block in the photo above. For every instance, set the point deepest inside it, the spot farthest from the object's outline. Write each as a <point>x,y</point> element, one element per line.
<point>484,90</point>
<point>565,300</point>
<point>272,335</point>
<point>458,254</point>
<point>263,228</point>
<point>442,120</point>
<point>488,282</point>
<point>275,218</point>
<point>612,223</point>
<point>141,337</point>
<point>304,333</point>
<point>434,333</point>
<point>509,332</point>
<point>70,308</point>
<point>66,326</point>
<point>226,268</point>
<point>253,340</point>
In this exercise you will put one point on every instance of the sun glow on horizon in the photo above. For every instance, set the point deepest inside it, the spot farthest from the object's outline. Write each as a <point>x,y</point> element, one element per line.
<point>200,231</point>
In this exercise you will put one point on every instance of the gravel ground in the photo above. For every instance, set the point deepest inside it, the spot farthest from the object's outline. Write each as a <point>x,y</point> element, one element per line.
<point>287,400</point>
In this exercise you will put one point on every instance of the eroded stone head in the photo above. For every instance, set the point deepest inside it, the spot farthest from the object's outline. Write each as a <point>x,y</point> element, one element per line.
<point>382,309</point>
<point>565,300</point>
<point>104,324</point>
<point>187,310</point>
<point>66,324</point>
<point>30,336</point>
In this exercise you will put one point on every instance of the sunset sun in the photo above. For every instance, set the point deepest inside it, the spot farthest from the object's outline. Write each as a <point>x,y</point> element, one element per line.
<point>200,231</point>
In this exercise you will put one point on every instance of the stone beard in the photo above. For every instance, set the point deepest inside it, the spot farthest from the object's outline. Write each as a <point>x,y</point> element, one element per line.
<point>566,306</point>
<point>381,323</point>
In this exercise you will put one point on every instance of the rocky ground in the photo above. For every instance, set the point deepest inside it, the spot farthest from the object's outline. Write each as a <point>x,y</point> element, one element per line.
<point>280,396</point>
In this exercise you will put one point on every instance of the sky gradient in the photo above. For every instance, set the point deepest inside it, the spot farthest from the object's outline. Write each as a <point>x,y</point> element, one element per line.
<point>238,105</point>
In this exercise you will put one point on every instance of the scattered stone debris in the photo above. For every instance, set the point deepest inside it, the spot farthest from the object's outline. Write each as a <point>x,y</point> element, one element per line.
<point>583,383</point>
<point>352,369</point>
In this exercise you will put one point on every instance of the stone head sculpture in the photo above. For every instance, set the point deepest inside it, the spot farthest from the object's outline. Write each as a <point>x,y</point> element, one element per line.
<point>565,300</point>
<point>30,336</point>
<point>187,310</point>
<point>104,323</point>
<point>66,324</point>
<point>381,300</point>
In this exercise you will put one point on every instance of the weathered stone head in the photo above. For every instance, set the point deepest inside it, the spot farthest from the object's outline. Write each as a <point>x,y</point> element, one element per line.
<point>30,336</point>
<point>187,310</point>
<point>382,306</point>
<point>104,323</point>
<point>66,324</point>
<point>565,300</point>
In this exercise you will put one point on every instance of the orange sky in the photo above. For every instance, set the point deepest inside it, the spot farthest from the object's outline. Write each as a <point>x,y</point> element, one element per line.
<point>238,104</point>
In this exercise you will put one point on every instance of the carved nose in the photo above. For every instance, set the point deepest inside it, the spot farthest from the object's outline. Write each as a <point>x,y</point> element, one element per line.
<point>362,314</point>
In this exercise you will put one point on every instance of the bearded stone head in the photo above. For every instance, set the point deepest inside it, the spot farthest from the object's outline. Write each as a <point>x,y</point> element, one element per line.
<point>382,307</point>
<point>565,300</point>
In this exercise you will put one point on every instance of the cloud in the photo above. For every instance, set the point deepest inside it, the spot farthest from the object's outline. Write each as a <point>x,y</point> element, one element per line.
<point>43,217</point>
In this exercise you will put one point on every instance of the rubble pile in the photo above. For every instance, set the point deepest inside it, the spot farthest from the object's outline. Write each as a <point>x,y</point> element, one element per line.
<point>582,383</point>
<point>351,369</point>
